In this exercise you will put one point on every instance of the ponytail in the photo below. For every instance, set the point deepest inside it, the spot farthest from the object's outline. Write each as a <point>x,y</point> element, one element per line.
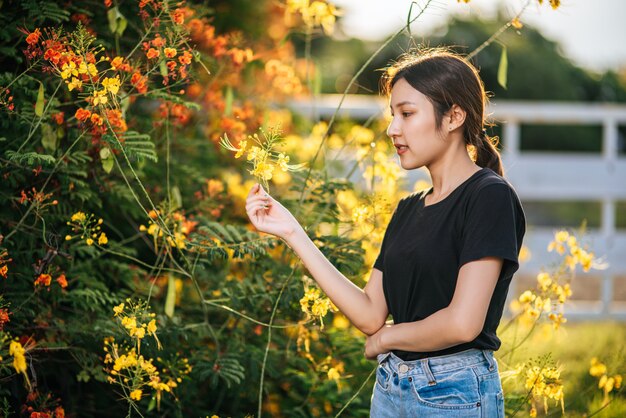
<point>487,155</point>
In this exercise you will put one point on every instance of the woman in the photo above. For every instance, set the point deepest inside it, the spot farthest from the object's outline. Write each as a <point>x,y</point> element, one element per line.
<point>447,257</point>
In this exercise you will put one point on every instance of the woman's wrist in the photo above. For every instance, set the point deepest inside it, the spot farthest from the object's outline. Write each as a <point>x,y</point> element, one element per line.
<point>295,235</point>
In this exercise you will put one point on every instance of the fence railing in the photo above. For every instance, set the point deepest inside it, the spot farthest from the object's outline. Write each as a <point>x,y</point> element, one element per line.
<point>548,177</point>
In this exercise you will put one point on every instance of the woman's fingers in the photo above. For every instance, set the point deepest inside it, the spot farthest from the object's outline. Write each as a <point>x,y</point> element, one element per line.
<point>254,208</point>
<point>253,190</point>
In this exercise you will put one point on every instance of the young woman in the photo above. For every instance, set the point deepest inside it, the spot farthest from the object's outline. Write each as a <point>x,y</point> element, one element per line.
<point>447,257</point>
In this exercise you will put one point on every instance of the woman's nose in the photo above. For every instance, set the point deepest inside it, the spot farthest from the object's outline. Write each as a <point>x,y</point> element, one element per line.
<point>393,128</point>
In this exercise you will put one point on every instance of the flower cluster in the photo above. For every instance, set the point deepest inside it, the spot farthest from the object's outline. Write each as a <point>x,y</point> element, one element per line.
<point>553,289</point>
<point>263,157</point>
<point>605,382</point>
<point>315,13</point>
<point>576,256</point>
<point>176,222</point>
<point>127,367</point>
<point>136,321</point>
<point>314,305</point>
<point>544,383</point>
<point>45,279</point>
<point>88,228</point>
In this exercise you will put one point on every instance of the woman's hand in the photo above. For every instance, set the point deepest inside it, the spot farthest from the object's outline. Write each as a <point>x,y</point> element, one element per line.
<point>374,343</point>
<point>267,215</point>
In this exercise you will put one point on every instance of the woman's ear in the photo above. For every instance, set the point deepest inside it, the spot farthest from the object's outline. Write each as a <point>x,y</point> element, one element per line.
<point>455,117</point>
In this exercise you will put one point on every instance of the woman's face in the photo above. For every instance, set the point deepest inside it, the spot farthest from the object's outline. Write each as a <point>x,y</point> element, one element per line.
<point>412,129</point>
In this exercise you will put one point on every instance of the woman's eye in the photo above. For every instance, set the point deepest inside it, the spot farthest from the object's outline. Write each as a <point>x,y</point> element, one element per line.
<point>406,114</point>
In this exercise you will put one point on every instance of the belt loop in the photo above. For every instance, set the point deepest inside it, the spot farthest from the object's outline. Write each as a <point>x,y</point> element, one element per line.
<point>489,357</point>
<point>428,372</point>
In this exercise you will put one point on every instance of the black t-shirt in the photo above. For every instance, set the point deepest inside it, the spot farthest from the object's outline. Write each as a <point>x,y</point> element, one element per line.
<point>425,246</point>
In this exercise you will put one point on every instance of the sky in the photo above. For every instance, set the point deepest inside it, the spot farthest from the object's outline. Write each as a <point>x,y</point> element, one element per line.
<point>592,33</point>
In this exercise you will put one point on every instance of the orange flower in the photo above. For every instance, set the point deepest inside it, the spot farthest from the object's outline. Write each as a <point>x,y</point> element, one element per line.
<point>52,55</point>
<point>59,412</point>
<point>152,53</point>
<point>4,270</point>
<point>139,82</point>
<point>185,59</point>
<point>96,119</point>
<point>178,16</point>
<point>169,52</point>
<point>116,62</point>
<point>4,318</point>
<point>33,37</point>
<point>43,280</point>
<point>158,42</point>
<point>62,281</point>
<point>108,3</point>
<point>57,117</point>
<point>82,114</point>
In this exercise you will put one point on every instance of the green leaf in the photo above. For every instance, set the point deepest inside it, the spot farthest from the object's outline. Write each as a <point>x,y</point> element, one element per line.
<point>112,16</point>
<point>107,165</point>
<point>170,298</point>
<point>228,99</point>
<point>163,68</point>
<point>40,99</point>
<point>49,138</point>
<point>503,68</point>
<point>117,21</point>
<point>176,199</point>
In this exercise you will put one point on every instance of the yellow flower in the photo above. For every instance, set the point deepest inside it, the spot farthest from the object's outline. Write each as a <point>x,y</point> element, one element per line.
<point>79,217</point>
<point>89,241</point>
<point>129,322</point>
<point>85,68</point>
<point>136,394</point>
<point>74,84</point>
<point>103,239</point>
<point>527,297</point>
<point>68,69</point>
<point>283,161</point>
<point>544,281</point>
<point>118,309</point>
<point>242,149</point>
<point>112,85</point>
<point>138,332</point>
<point>597,368</point>
<point>19,361</point>
<point>99,97</point>
<point>263,171</point>
<point>152,326</point>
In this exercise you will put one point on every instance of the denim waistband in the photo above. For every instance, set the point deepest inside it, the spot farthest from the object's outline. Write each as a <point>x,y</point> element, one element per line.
<point>438,364</point>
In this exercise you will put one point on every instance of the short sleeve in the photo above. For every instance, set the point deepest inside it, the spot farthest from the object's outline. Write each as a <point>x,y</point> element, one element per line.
<point>380,260</point>
<point>494,227</point>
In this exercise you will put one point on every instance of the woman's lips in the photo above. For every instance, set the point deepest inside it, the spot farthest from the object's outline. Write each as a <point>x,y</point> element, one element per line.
<point>401,149</point>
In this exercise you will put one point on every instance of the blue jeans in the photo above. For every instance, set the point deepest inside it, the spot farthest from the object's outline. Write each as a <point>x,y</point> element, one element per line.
<point>464,384</point>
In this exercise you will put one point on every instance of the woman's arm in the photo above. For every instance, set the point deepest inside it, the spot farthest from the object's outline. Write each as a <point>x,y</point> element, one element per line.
<point>460,322</point>
<point>365,308</point>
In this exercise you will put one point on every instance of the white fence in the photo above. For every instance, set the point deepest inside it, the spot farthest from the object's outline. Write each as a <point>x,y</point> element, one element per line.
<point>549,176</point>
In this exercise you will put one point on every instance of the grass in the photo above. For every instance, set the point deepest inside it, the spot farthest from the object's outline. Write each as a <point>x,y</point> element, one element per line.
<point>571,349</point>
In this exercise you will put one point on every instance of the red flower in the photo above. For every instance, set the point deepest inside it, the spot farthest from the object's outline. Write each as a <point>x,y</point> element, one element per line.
<point>33,37</point>
<point>62,281</point>
<point>178,16</point>
<point>4,318</point>
<point>140,82</point>
<point>82,114</point>
<point>43,280</point>
<point>58,117</point>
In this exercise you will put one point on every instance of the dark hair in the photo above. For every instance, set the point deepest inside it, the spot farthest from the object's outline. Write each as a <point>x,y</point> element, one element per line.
<point>446,78</point>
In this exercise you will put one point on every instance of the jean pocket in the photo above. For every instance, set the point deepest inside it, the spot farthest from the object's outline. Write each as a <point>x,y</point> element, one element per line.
<point>383,373</point>
<point>457,389</point>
